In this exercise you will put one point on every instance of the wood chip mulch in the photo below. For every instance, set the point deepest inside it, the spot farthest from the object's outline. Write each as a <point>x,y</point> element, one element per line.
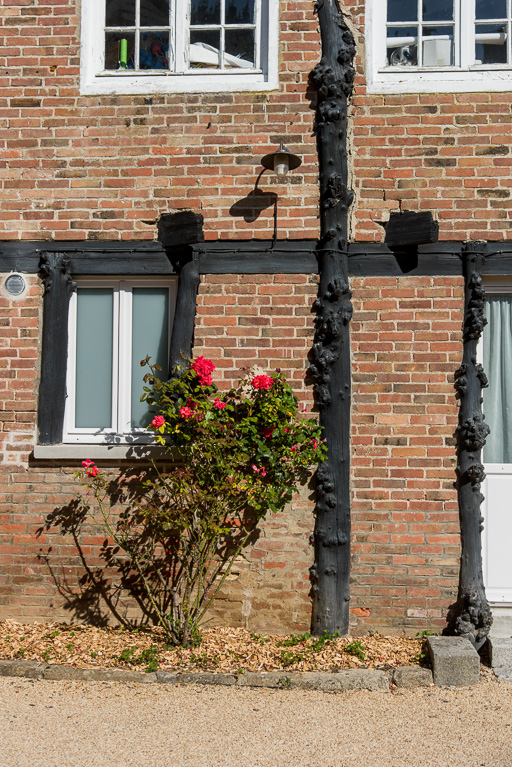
<point>222,650</point>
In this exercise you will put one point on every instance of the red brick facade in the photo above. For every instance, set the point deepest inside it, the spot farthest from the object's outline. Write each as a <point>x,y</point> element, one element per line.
<point>84,168</point>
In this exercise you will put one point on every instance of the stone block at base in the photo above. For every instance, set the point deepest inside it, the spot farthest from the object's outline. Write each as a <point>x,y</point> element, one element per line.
<point>353,679</point>
<point>205,678</point>
<point>412,676</point>
<point>500,652</point>
<point>455,662</point>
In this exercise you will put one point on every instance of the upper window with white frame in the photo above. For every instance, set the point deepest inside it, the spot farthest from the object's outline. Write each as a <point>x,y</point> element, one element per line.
<point>147,46</point>
<point>438,45</point>
<point>113,325</point>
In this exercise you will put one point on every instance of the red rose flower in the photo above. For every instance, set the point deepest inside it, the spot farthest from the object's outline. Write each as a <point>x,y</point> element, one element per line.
<point>158,421</point>
<point>262,382</point>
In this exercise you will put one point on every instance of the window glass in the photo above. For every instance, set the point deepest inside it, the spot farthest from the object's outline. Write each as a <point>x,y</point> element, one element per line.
<point>204,49</point>
<point>491,9</point>
<point>437,46</point>
<point>240,12</point>
<point>205,12</point>
<point>150,336</point>
<point>154,50</point>
<point>120,13</point>
<point>401,46</point>
<point>437,10</point>
<point>240,44</point>
<point>154,13</point>
<point>490,43</point>
<point>402,10</point>
<point>94,349</point>
<point>119,50</point>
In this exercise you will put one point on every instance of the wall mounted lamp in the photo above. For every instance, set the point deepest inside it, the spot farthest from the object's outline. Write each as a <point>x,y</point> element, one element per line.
<point>281,161</point>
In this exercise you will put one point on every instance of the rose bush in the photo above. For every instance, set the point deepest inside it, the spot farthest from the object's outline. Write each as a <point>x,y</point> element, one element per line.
<point>236,456</point>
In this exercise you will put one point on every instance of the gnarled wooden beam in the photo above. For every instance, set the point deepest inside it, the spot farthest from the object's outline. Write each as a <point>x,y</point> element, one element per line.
<point>333,78</point>
<point>474,617</point>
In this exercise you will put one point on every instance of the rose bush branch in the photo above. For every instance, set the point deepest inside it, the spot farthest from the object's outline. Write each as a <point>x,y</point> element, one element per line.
<point>233,457</point>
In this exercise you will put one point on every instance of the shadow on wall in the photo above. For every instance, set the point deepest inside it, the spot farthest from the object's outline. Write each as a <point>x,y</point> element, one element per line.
<point>103,583</point>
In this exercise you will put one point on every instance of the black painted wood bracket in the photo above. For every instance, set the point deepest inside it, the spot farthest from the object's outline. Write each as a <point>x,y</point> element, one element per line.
<point>182,339</point>
<point>473,616</point>
<point>333,78</point>
<point>58,286</point>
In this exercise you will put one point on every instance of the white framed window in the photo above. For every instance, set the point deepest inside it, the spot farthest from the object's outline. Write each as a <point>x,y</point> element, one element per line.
<point>438,46</point>
<point>151,46</point>
<point>113,325</point>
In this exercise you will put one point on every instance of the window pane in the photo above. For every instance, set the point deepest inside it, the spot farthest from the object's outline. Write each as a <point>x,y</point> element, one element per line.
<point>497,341</point>
<point>438,51</point>
<point>154,50</point>
<point>205,12</point>
<point>240,44</point>
<point>119,55</point>
<point>154,13</point>
<point>94,358</point>
<point>120,13</point>
<point>402,46</point>
<point>438,10</point>
<point>150,323</point>
<point>239,11</point>
<point>490,44</point>
<point>204,48</point>
<point>491,9</point>
<point>402,10</point>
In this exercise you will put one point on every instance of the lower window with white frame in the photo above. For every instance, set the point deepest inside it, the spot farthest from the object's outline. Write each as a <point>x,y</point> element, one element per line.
<point>113,325</point>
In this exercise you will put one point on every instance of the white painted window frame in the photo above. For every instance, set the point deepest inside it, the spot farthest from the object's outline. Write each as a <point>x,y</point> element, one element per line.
<point>94,80</point>
<point>120,431</point>
<point>462,78</point>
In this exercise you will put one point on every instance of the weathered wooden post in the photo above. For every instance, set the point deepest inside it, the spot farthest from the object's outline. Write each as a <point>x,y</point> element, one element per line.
<point>333,78</point>
<point>474,616</point>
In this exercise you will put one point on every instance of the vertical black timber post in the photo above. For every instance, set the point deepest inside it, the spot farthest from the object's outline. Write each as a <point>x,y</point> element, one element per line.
<point>474,616</point>
<point>184,316</point>
<point>58,286</point>
<point>333,78</point>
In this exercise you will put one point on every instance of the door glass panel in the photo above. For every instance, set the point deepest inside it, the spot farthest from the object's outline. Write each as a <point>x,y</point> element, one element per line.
<point>94,349</point>
<point>497,344</point>
<point>150,336</point>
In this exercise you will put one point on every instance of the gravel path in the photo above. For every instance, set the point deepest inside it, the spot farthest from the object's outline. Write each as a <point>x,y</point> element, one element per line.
<point>76,724</point>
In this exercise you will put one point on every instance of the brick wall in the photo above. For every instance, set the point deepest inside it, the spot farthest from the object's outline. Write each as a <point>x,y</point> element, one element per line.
<point>86,167</point>
<point>406,336</point>
<point>406,346</point>
<point>446,153</point>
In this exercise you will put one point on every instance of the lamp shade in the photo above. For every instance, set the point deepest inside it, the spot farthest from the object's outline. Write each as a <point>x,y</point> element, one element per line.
<point>281,161</point>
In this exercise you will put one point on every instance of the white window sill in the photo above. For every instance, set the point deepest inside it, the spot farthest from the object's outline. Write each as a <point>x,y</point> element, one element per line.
<point>220,82</point>
<point>440,81</point>
<point>96,452</point>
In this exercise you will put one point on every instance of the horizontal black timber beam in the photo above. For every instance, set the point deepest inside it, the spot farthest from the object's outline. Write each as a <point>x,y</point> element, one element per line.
<point>251,257</point>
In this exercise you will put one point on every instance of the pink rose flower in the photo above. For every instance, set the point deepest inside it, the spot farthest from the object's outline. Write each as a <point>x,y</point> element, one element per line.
<point>186,412</point>
<point>158,421</point>
<point>293,448</point>
<point>92,471</point>
<point>87,463</point>
<point>219,404</point>
<point>262,382</point>
<point>268,432</point>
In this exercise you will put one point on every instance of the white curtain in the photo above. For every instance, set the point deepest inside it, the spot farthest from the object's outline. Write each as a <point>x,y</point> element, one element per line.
<point>497,340</point>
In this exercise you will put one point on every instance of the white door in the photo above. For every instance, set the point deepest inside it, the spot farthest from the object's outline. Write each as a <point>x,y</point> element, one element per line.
<point>496,356</point>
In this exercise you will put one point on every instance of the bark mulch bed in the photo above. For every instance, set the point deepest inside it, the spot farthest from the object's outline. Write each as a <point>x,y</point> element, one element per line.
<point>221,650</point>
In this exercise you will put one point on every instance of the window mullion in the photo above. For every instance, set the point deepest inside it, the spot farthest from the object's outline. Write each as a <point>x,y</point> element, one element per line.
<point>182,35</point>
<point>137,35</point>
<point>467,33</point>
<point>257,34</point>
<point>222,42</point>
<point>420,33</point>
